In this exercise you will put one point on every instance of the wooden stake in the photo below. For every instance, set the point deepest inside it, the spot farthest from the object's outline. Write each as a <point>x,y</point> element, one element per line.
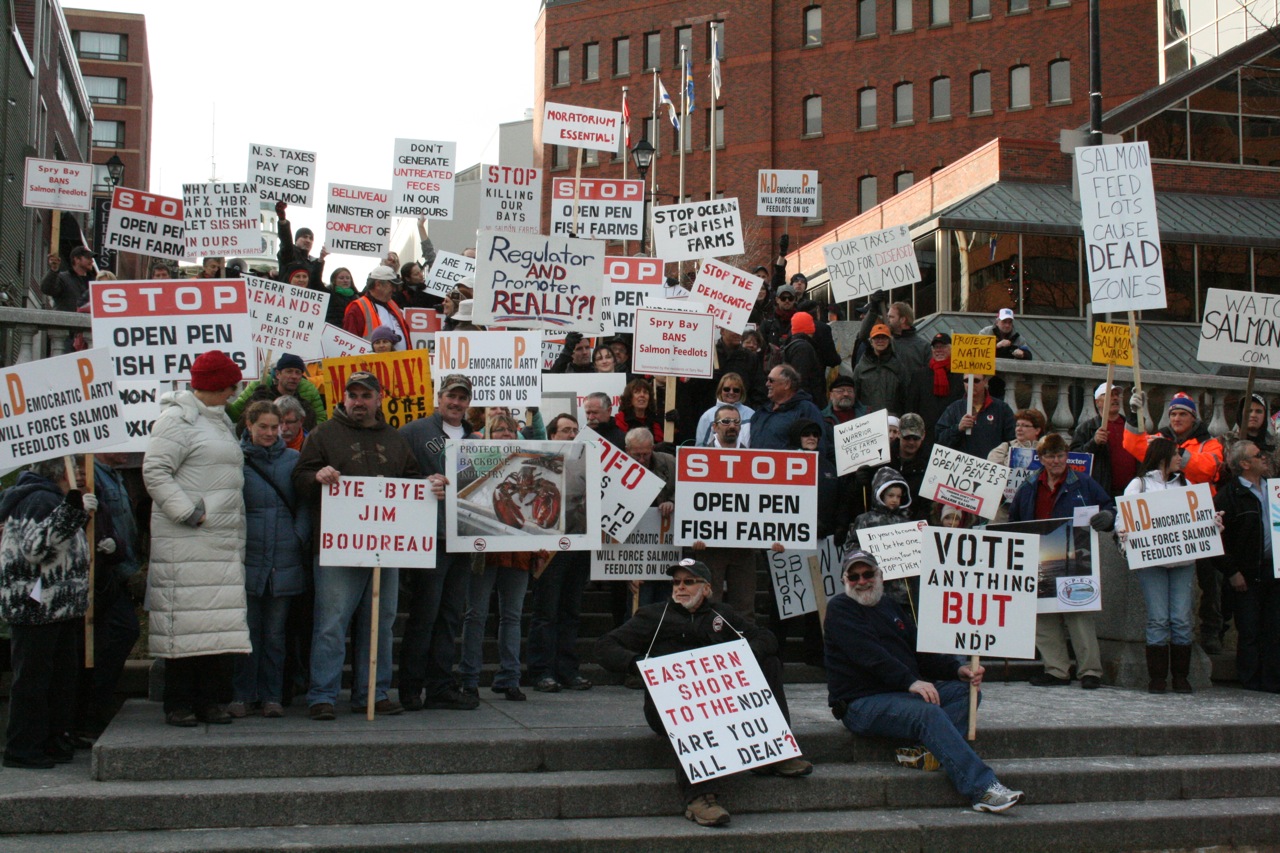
<point>670,396</point>
<point>373,641</point>
<point>1137,371</point>
<point>577,189</point>
<point>973,700</point>
<point>819,591</point>
<point>55,233</point>
<point>89,614</point>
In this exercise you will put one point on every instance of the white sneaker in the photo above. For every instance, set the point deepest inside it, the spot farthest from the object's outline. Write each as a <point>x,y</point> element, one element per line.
<point>1007,791</point>
<point>996,800</point>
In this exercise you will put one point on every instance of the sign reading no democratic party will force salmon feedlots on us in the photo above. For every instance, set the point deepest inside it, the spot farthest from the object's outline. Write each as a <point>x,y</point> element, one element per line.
<point>746,498</point>
<point>697,229</point>
<point>1240,328</point>
<point>1169,526</point>
<point>283,174</point>
<point>146,224</point>
<point>787,192</point>
<point>378,521</point>
<point>221,219</point>
<point>422,178</point>
<point>505,368</point>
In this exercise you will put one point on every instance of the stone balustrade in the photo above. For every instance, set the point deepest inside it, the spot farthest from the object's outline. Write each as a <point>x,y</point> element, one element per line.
<point>32,333</point>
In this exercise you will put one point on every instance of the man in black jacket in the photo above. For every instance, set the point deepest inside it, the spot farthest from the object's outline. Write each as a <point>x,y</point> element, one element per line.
<point>69,289</point>
<point>296,248</point>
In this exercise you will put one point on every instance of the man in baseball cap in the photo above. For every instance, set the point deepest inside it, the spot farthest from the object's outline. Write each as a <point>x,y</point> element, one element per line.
<point>1009,343</point>
<point>1103,436</point>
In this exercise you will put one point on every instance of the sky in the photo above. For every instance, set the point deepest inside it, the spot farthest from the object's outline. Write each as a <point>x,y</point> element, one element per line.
<point>343,81</point>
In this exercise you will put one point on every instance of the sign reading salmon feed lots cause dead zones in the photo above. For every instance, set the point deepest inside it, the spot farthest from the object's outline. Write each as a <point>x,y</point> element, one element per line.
<point>863,265</point>
<point>746,498</point>
<point>697,229</point>
<point>283,174</point>
<point>378,521</point>
<point>505,368</point>
<point>146,224</point>
<point>221,219</point>
<point>1169,526</point>
<point>1240,328</point>
<point>422,178</point>
<point>529,281</point>
<point>357,220</point>
<point>787,192</point>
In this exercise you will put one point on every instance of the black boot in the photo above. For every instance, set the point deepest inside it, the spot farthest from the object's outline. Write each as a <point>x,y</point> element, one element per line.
<point>1157,668</point>
<point>1180,665</point>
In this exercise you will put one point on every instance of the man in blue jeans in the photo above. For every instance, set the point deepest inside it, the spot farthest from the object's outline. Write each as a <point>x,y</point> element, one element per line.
<point>879,685</point>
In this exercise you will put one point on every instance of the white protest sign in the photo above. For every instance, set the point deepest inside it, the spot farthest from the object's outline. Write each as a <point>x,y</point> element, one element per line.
<point>608,208</point>
<point>378,521</point>
<point>746,498</point>
<point>286,319</point>
<point>581,127</point>
<point>139,406</point>
<point>157,328</point>
<point>793,582</point>
<point>862,441</point>
<point>787,192</point>
<point>978,593</point>
<point>1273,513</point>
<point>283,174</point>
<point>336,342</point>
<point>728,292</point>
<point>422,178</point>
<point>511,199</point>
<point>1069,579</point>
<point>221,219</point>
<point>1169,526</point>
<point>634,282</point>
<point>579,385</point>
<point>423,324</point>
<point>447,271</point>
<point>896,548</point>
<point>58,406</point>
<point>673,343</point>
<point>505,368</point>
<point>964,482</point>
<point>357,220</point>
<point>718,710</point>
<point>643,556</point>
<point>1121,235</point>
<point>627,488</point>
<point>145,223</point>
<point>1240,328</point>
<point>863,265</point>
<point>528,281</point>
<point>58,185</point>
<point>698,229</point>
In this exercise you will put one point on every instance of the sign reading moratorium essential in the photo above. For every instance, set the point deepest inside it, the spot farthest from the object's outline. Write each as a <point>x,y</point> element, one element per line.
<point>221,219</point>
<point>627,488</point>
<point>378,521</point>
<point>965,482</point>
<point>581,127</point>
<point>1169,526</point>
<point>405,378</point>
<point>145,223</point>
<point>422,178</point>
<point>608,208</point>
<point>868,263</point>
<point>792,579</point>
<point>1112,344</point>
<point>511,199</point>
<point>58,185</point>
<point>529,281</point>
<point>896,547</point>
<point>787,192</point>
<point>286,319</point>
<point>505,368</point>
<point>1240,328</point>
<point>283,174</point>
<point>973,354</point>
<point>634,281</point>
<point>746,498</point>
<point>698,229</point>
<point>728,292</point>
<point>644,555</point>
<point>447,271</point>
<point>862,441</point>
<point>357,220</point>
<point>673,343</point>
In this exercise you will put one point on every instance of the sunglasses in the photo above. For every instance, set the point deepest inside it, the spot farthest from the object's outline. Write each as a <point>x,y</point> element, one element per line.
<point>785,298</point>
<point>861,576</point>
<point>731,390</point>
<point>686,582</point>
<point>729,422</point>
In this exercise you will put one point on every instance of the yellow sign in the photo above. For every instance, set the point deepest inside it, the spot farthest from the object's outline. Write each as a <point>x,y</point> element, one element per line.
<point>973,354</point>
<point>405,378</point>
<point>1111,344</point>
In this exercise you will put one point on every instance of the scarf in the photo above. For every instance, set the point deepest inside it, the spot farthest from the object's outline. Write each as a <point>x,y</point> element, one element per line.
<point>941,376</point>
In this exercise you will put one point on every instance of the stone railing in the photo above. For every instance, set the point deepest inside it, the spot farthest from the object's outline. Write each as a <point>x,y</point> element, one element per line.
<point>32,333</point>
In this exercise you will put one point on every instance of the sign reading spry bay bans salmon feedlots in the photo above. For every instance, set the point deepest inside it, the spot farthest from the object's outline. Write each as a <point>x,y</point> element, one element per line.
<point>56,185</point>
<point>529,281</point>
<point>581,127</point>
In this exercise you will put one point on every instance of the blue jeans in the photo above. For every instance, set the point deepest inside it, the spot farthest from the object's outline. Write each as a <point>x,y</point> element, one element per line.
<point>340,590</point>
<point>259,676</point>
<point>1168,592</point>
<point>938,727</point>
<point>557,612</point>
<point>428,650</point>
<point>511,584</point>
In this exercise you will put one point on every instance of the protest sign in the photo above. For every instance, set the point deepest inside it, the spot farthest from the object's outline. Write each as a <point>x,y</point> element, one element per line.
<point>978,593</point>
<point>157,328</point>
<point>787,192</point>
<point>581,127</point>
<point>1024,460</point>
<point>746,498</point>
<point>1240,328</point>
<point>793,581</point>
<point>1169,526</point>
<point>698,229</point>
<point>1121,235</point>
<point>528,281</point>
<point>964,482</point>
<point>505,368</point>
<point>423,324</point>
<point>378,521</point>
<point>447,271</point>
<point>58,185</point>
<point>58,406</point>
<point>862,441</point>
<point>863,265</point>
<point>357,220</point>
<point>511,199</point>
<point>627,488</point>
<point>643,556</point>
<point>522,495</point>
<point>422,178</point>
<point>608,208</point>
<point>633,282</point>
<point>405,378</point>
<point>286,319</point>
<point>1273,513</point>
<point>973,354</point>
<point>673,343</point>
<point>1112,344</point>
<point>336,342</point>
<point>1069,578</point>
<point>145,223</point>
<point>283,174</point>
<point>576,387</point>
<point>718,710</point>
<point>221,219</point>
<point>896,547</point>
<point>728,292</point>
<point>139,406</point>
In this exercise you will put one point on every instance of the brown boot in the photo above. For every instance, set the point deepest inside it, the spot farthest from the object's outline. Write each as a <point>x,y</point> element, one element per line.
<point>1180,665</point>
<point>1157,668</point>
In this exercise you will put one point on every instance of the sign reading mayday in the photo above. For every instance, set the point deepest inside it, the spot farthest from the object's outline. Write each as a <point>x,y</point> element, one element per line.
<point>422,178</point>
<point>283,174</point>
<point>1118,212</point>
<point>581,127</point>
<point>447,271</point>
<point>378,521</point>
<point>697,229</point>
<point>643,556</point>
<point>634,281</point>
<point>405,378</point>
<point>973,354</point>
<point>505,368</point>
<point>1113,345</point>
<point>863,265</point>
<point>608,208</point>
<point>157,328</point>
<point>728,292</point>
<point>965,482</point>
<point>58,185</point>
<point>1240,328</point>
<point>1169,526</point>
<point>673,343</point>
<point>58,406</point>
<point>787,192</point>
<point>286,319</point>
<point>746,498</point>
<point>357,220</point>
<point>528,281</point>
<point>145,223</point>
<point>511,199</point>
<point>221,219</point>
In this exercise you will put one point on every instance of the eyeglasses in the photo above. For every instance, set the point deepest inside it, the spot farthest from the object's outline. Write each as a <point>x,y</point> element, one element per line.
<point>730,390</point>
<point>786,298</point>
<point>861,576</point>
<point>686,582</point>
<point>729,422</point>
<point>1024,425</point>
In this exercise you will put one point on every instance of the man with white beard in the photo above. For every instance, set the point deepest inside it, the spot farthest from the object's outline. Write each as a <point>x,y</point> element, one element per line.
<point>879,685</point>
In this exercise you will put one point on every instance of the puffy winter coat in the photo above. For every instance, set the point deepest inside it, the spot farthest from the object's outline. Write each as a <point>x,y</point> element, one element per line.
<point>195,587</point>
<point>43,542</point>
<point>1204,454</point>
<point>882,381</point>
<point>277,533</point>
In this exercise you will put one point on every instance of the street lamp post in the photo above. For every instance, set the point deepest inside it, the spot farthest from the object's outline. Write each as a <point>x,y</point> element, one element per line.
<point>115,175</point>
<point>642,156</point>
<point>115,168</point>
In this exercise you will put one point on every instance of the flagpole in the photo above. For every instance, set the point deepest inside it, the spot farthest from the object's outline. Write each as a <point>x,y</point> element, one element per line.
<point>653,168</point>
<point>626,149</point>
<point>684,125</point>
<point>715,85</point>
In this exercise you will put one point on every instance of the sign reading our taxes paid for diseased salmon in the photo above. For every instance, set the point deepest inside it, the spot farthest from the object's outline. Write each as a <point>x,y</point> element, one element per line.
<point>530,281</point>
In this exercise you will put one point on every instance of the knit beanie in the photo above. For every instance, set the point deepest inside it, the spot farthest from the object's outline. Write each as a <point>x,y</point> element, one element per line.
<point>802,324</point>
<point>213,371</point>
<point>289,360</point>
<point>1182,401</point>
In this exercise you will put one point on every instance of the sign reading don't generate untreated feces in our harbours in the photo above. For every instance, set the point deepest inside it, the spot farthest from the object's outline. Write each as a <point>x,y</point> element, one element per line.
<point>746,498</point>
<point>697,229</point>
<point>357,220</point>
<point>505,368</point>
<point>1240,328</point>
<point>1169,526</point>
<point>146,223</point>
<point>422,178</point>
<point>529,281</point>
<point>378,521</point>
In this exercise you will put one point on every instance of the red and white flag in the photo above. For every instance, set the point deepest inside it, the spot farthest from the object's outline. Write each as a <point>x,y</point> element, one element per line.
<point>626,120</point>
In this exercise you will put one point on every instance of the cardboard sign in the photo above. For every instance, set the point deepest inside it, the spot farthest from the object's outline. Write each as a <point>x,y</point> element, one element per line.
<point>283,174</point>
<point>378,521</point>
<point>336,342</point>
<point>868,263</point>
<point>1121,235</point>
<point>581,127</point>
<point>862,441</point>
<point>286,319</point>
<point>58,185</point>
<point>627,488</point>
<point>728,292</point>
<point>423,324</point>
<point>643,556</point>
<point>1240,328</point>
<point>522,496</point>
<point>146,223</point>
<point>157,328</point>
<point>965,482</point>
<point>793,582</point>
<point>357,220</point>
<point>447,271</point>
<point>511,199</point>
<point>608,208</point>
<point>787,192</point>
<point>746,498</point>
<point>1024,460</point>
<point>1069,579</point>
<point>673,343</point>
<point>505,368</point>
<point>1169,526</point>
<point>58,406</point>
<point>1273,513</point>
<point>718,710</point>
<point>576,386</point>
<point>978,593</point>
<point>973,354</point>
<point>698,229</point>
<point>221,219</point>
<point>405,379</point>
<point>528,281</point>
<point>896,547</point>
<point>422,178</point>
<point>1112,345</point>
<point>634,283</point>
<point>139,406</point>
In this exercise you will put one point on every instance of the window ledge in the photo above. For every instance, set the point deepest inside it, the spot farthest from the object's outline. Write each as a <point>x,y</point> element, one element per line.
<point>869,127</point>
<point>902,32</point>
<point>942,25</point>
<point>559,85</point>
<point>1021,109</point>
<point>980,113</point>
<point>933,119</point>
<point>977,18</point>
<point>808,46</point>
<point>817,135</point>
<point>809,222</point>
<point>867,36</point>
<point>908,123</point>
<point>1063,103</point>
<point>624,75</point>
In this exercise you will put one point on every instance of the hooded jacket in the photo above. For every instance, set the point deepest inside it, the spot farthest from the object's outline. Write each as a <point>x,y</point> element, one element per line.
<point>1013,337</point>
<point>1203,454</point>
<point>308,394</point>
<point>879,514</point>
<point>43,542</point>
<point>277,530</point>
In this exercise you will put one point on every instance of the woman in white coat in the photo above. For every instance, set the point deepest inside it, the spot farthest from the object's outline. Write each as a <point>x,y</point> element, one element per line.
<point>194,472</point>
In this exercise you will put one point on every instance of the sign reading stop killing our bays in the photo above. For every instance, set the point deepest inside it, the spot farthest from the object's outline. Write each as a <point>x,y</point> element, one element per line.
<point>378,521</point>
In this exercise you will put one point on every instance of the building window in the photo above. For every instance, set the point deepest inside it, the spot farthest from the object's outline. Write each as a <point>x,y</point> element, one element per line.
<point>621,57</point>
<point>562,66</point>
<point>108,134</point>
<point>1053,3</point>
<point>902,15</point>
<point>1060,81</point>
<point>652,51</point>
<point>940,98</point>
<point>939,12</point>
<point>101,178</point>
<point>813,26</point>
<point>591,62</point>
<point>817,207</point>
<point>719,127</point>
<point>559,157</point>
<point>866,193</point>
<point>866,18</point>
<point>902,180</point>
<point>903,103</point>
<point>1019,87</point>
<point>1016,6</point>
<point>68,101</point>
<point>591,157</point>
<point>684,42</point>
<point>980,92</point>
<point>979,8</point>
<point>105,90</point>
<point>866,109</point>
<point>812,115</point>
<point>113,46</point>
<point>718,27</point>
<point>688,137</point>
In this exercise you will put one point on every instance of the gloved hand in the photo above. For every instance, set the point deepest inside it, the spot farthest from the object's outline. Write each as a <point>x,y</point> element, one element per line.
<point>281,210</point>
<point>89,501</point>
<point>107,546</point>
<point>672,415</point>
<point>1103,521</point>
<point>571,340</point>
<point>784,243</point>
<point>1138,400</point>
